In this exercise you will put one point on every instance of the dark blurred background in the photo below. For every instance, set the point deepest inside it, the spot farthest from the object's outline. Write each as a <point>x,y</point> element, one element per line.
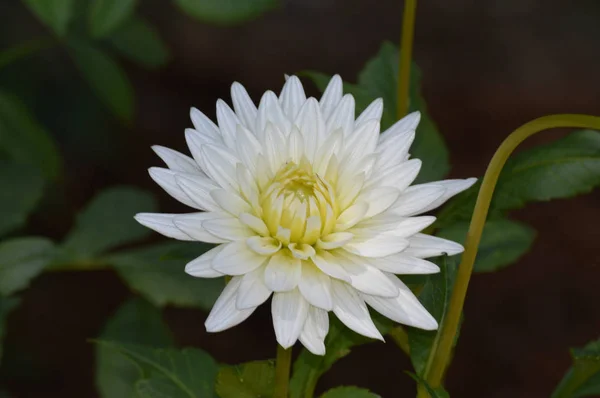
<point>487,67</point>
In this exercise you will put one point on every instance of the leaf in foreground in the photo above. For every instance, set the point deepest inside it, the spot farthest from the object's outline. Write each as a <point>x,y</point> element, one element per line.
<point>21,260</point>
<point>136,321</point>
<point>174,373</point>
<point>583,378</point>
<point>248,380</point>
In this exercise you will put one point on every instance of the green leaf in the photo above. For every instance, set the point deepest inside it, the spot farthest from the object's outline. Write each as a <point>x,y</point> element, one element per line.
<point>24,140</point>
<point>226,12</point>
<point>136,321</point>
<point>248,380</point>
<point>567,167</point>
<point>188,373</point>
<point>21,260</point>
<point>54,13</point>
<point>379,79</point>
<point>7,304</point>
<point>139,41</point>
<point>308,367</point>
<point>157,273</point>
<point>583,378</point>
<point>435,296</point>
<point>108,15</point>
<point>105,77</point>
<point>26,188</point>
<point>349,392</point>
<point>108,222</point>
<point>502,243</point>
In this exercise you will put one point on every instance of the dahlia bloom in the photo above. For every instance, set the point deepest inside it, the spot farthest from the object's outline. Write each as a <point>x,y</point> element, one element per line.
<point>309,205</point>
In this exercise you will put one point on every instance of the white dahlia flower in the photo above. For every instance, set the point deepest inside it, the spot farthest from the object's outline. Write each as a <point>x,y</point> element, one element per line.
<point>308,204</point>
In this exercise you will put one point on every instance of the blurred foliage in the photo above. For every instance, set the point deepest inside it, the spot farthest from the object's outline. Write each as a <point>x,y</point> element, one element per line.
<point>170,372</point>
<point>583,379</point>
<point>136,355</point>
<point>136,321</point>
<point>248,380</point>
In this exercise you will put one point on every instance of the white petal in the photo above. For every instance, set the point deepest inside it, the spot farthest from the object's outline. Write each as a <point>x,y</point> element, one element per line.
<point>327,263</point>
<point>373,111</point>
<point>228,228</point>
<point>399,176</point>
<point>331,96</point>
<point>453,187</point>
<point>402,228</point>
<point>314,331</point>
<point>289,311</point>
<point>201,267</point>
<point>194,141</point>
<point>401,263</point>
<point>405,308</point>
<point>230,202</point>
<point>283,272</point>
<point>295,145</point>
<point>352,311</point>
<point>252,291</point>
<point>264,245</point>
<point>379,199</point>
<point>376,246</point>
<point>192,225</point>
<point>301,250</point>
<point>334,240</point>
<point>163,224</point>
<point>310,123</point>
<point>166,179</point>
<point>243,105</point>
<point>248,148</point>
<point>269,110</point>
<point>351,216</point>
<point>228,122</point>
<point>198,189</point>
<point>407,123</point>
<point>415,199</point>
<point>274,147</point>
<point>394,150</point>
<point>220,165</point>
<point>424,246</point>
<point>342,116</point>
<point>255,223</point>
<point>177,161</point>
<point>224,313</point>
<point>292,97</point>
<point>237,259</point>
<point>362,141</point>
<point>204,125</point>
<point>365,278</point>
<point>315,286</point>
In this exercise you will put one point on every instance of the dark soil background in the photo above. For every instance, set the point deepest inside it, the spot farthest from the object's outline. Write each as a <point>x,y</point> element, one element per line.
<point>488,67</point>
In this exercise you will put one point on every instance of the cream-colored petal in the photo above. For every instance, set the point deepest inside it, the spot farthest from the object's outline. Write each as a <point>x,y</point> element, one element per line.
<point>224,313</point>
<point>237,259</point>
<point>314,331</point>
<point>283,272</point>
<point>352,311</point>
<point>289,311</point>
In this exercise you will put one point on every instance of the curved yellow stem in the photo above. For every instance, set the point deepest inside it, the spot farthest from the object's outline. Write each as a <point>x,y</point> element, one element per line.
<point>404,62</point>
<point>441,354</point>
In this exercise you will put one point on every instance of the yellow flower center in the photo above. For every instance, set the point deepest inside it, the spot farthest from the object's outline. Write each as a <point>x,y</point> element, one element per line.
<point>298,206</point>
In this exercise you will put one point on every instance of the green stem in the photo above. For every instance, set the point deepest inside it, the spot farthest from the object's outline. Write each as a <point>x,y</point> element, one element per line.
<point>404,62</point>
<point>283,363</point>
<point>23,50</point>
<point>442,352</point>
<point>400,337</point>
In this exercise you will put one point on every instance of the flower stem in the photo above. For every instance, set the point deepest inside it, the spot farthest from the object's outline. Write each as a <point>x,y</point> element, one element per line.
<point>400,337</point>
<point>404,62</point>
<point>282,371</point>
<point>440,355</point>
<point>23,50</point>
